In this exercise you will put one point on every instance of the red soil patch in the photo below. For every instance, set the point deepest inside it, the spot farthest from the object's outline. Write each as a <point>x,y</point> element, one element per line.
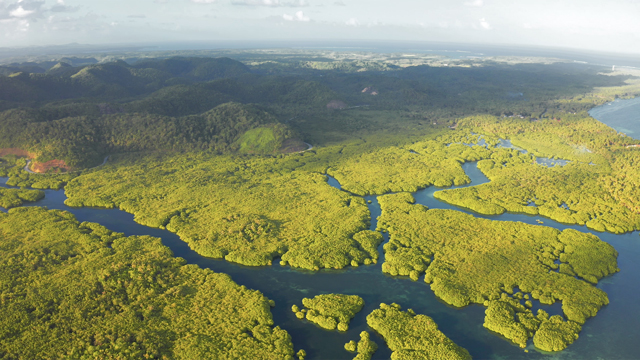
<point>17,152</point>
<point>51,164</point>
<point>60,165</point>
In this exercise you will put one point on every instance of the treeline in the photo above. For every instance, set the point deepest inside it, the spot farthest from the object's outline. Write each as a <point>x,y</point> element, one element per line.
<point>114,80</point>
<point>413,336</point>
<point>13,167</point>
<point>330,311</point>
<point>597,188</point>
<point>16,197</point>
<point>78,290</point>
<point>85,140</point>
<point>365,348</point>
<point>78,106</point>
<point>261,207</point>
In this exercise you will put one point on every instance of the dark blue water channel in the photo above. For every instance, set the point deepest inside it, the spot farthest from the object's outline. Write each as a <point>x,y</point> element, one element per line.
<point>612,334</point>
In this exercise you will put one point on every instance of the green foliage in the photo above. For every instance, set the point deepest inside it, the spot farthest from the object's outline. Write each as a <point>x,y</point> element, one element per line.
<point>365,347</point>
<point>509,318</point>
<point>599,187</point>
<point>407,168</point>
<point>411,336</point>
<point>555,334</point>
<point>15,197</point>
<point>260,206</point>
<point>472,260</point>
<point>301,354</point>
<point>251,210</point>
<point>264,140</point>
<point>13,167</point>
<point>199,69</point>
<point>351,346</point>
<point>84,141</point>
<point>331,311</point>
<point>77,290</point>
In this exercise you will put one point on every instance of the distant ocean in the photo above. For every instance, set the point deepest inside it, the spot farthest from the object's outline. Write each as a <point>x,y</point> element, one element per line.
<point>453,50</point>
<point>622,115</point>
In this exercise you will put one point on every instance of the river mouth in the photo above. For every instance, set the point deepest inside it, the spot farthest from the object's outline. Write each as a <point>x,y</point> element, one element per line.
<point>608,335</point>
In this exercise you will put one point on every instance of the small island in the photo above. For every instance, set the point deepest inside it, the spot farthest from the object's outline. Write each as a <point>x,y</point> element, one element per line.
<point>413,336</point>
<point>330,311</point>
<point>364,348</point>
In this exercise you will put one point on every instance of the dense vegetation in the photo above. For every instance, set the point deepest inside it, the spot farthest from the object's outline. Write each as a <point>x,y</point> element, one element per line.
<point>76,113</point>
<point>15,197</point>
<point>79,291</point>
<point>471,260</point>
<point>12,167</point>
<point>85,140</point>
<point>411,336</point>
<point>598,188</point>
<point>198,146</point>
<point>330,311</point>
<point>261,207</point>
<point>430,161</point>
<point>364,348</point>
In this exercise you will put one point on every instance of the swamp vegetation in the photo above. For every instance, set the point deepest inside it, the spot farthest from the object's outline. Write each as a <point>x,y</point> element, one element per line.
<point>77,290</point>
<point>330,311</point>
<point>196,147</point>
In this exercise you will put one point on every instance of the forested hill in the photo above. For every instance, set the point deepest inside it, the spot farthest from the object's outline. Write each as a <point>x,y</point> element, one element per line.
<point>79,111</point>
<point>83,141</point>
<point>81,114</point>
<point>31,84</point>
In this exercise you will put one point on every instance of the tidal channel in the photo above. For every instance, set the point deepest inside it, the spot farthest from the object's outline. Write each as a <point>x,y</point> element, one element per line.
<point>613,333</point>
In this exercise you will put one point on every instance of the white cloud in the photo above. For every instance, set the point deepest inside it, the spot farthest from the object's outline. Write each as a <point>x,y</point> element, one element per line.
<point>270,3</point>
<point>485,25</point>
<point>352,22</point>
<point>476,3</point>
<point>299,16</point>
<point>256,2</point>
<point>20,12</point>
<point>23,25</point>
<point>203,1</point>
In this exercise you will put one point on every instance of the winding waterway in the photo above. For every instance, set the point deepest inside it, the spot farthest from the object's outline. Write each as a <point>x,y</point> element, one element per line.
<point>612,334</point>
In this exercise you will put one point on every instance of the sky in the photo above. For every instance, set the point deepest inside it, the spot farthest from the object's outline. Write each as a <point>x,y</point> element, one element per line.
<point>610,26</point>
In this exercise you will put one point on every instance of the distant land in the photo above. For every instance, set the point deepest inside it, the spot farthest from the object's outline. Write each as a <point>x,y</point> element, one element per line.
<point>452,50</point>
<point>320,200</point>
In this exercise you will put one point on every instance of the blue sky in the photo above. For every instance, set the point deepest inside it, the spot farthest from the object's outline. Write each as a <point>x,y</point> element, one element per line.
<point>599,25</point>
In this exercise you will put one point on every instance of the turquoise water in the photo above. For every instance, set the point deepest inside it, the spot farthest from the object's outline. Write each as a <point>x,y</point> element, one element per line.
<point>622,115</point>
